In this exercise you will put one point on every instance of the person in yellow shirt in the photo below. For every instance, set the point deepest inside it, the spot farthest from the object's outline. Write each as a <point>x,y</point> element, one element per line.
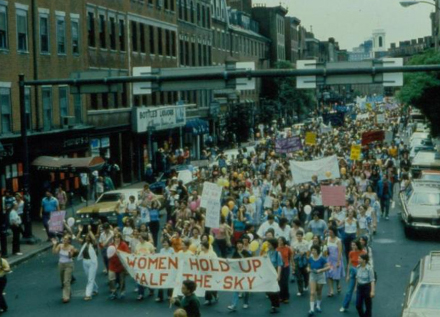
<point>393,150</point>
<point>4,269</point>
<point>144,247</point>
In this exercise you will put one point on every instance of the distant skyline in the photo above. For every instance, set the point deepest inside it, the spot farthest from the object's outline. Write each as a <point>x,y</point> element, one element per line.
<point>351,22</point>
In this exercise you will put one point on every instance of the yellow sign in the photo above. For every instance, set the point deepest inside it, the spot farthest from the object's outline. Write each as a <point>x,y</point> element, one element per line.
<point>355,152</point>
<point>311,138</point>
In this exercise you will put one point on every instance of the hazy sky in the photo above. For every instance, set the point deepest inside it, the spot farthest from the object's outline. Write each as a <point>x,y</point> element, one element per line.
<point>350,22</point>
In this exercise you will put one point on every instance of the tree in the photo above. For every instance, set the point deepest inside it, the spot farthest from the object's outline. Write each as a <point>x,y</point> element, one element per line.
<point>422,90</point>
<point>287,98</point>
<point>238,121</point>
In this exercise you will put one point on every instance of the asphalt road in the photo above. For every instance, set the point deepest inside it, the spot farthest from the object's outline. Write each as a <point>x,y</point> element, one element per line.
<point>34,287</point>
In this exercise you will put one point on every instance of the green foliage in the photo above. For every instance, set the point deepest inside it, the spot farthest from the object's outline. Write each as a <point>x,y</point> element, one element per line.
<point>238,121</point>
<point>422,90</point>
<point>286,98</point>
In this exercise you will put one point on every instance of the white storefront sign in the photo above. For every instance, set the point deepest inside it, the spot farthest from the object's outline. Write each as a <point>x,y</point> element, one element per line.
<point>158,118</point>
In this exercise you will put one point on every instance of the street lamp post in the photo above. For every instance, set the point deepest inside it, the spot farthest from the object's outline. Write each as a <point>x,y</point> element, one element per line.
<point>406,4</point>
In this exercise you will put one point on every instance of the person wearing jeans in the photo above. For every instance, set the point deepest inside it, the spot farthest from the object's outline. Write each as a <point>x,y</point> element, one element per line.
<point>277,262</point>
<point>240,253</point>
<point>48,205</point>
<point>366,284</point>
<point>90,261</point>
<point>385,194</point>
<point>353,262</point>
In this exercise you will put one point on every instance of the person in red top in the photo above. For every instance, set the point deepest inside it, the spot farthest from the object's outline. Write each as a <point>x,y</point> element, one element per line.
<point>287,256</point>
<point>116,270</point>
<point>353,263</point>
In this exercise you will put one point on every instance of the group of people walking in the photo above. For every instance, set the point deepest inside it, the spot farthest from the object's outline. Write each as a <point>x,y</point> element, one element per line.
<point>307,242</point>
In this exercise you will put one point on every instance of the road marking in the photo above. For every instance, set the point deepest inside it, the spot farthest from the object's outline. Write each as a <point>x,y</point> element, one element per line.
<point>384,241</point>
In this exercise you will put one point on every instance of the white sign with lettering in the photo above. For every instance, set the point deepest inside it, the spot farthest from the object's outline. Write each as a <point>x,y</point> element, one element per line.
<point>158,118</point>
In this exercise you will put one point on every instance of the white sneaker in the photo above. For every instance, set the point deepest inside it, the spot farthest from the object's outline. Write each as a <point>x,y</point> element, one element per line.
<point>298,294</point>
<point>231,307</point>
<point>342,310</point>
<point>306,289</point>
<point>245,306</point>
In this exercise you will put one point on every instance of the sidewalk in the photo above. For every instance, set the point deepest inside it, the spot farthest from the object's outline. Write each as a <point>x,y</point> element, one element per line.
<point>31,250</point>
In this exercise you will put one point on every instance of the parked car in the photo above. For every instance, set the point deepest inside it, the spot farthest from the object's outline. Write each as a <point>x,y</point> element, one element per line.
<point>179,171</point>
<point>425,160</point>
<point>105,208</point>
<point>422,295</point>
<point>430,175</point>
<point>421,206</point>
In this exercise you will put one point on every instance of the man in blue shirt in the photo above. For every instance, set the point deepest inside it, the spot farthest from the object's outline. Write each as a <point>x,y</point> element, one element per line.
<point>48,205</point>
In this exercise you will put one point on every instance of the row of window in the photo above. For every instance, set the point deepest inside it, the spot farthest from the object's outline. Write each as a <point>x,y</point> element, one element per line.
<point>143,39</point>
<point>111,34</point>
<point>47,103</point>
<point>166,4</point>
<point>22,30</point>
<point>194,54</point>
<point>240,44</point>
<point>190,13</point>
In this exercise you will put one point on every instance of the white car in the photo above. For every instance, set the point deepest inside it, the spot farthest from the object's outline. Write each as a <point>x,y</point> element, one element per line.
<point>422,296</point>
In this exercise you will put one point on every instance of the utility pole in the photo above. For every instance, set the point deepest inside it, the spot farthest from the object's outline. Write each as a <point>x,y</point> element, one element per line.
<point>28,237</point>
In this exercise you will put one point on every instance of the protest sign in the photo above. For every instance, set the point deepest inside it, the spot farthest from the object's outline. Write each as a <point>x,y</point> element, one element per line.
<point>231,275</point>
<point>212,217</point>
<point>310,138</point>
<point>372,136</point>
<point>288,145</point>
<point>157,271</point>
<point>326,168</point>
<point>200,163</point>
<point>380,118</point>
<point>362,116</point>
<point>325,129</point>
<point>185,176</point>
<point>333,196</point>
<point>389,136</point>
<point>56,221</point>
<point>153,270</point>
<point>211,191</point>
<point>355,154</point>
<point>210,200</point>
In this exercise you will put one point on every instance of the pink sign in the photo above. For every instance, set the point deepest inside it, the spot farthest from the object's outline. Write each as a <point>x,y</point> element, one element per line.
<point>56,222</point>
<point>333,195</point>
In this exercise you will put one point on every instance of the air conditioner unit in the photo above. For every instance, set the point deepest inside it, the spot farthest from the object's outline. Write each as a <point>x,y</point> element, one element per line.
<point>68,121</point>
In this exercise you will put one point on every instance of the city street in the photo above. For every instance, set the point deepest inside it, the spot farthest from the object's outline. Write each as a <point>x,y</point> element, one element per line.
<point>34,287</point>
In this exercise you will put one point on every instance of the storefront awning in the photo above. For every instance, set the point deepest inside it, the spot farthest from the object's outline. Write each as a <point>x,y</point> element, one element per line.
<point>61,164</point>
<point>197,126</point>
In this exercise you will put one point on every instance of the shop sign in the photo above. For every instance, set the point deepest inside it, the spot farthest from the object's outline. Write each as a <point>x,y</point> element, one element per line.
<point>76,142</point>
<point>158,118</point>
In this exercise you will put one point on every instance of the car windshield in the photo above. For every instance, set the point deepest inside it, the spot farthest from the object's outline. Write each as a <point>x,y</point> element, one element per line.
<point>109,198</point>
<point>427,297</point>
<point>428,199</point>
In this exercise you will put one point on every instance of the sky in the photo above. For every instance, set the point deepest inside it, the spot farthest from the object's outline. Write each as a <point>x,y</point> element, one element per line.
<point>351,22</point>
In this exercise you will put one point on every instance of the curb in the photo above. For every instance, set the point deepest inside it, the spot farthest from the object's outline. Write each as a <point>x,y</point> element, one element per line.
<point>18,260</point>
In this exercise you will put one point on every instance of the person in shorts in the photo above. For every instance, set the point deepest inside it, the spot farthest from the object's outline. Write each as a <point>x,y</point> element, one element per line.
<point>317,267</point>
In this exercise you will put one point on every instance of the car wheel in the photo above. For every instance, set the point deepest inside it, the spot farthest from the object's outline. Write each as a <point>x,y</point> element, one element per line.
<point>408,232</point>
